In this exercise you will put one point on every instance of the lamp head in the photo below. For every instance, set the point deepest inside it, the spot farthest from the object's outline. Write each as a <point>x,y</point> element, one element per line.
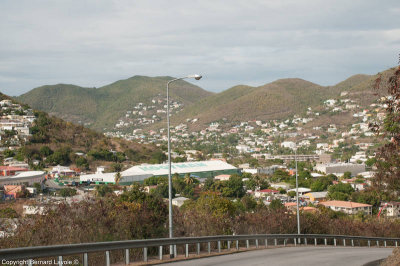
<point>195,76</point>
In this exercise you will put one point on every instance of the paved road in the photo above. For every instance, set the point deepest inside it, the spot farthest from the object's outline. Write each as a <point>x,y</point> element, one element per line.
<point>307,256</point>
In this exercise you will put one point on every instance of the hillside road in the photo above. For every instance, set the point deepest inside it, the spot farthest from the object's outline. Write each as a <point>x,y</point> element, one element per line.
<point>307,256</point>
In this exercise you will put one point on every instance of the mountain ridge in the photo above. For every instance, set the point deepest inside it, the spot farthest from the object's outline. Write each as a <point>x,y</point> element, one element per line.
<point>275,100</point>
<point>102,107</point>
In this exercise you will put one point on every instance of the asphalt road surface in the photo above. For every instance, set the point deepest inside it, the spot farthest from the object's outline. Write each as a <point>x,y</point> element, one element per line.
<point>307,256</point>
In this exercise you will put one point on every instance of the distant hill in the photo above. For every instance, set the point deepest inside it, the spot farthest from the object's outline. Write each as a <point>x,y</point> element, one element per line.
<point>100,108</point>
<point>105,106</point>
<point>276,100</point>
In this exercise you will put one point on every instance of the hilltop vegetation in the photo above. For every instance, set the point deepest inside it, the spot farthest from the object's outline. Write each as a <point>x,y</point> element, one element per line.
<point>100,108</point>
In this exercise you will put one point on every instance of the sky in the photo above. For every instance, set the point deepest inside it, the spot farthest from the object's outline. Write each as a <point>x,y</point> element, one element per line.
<point>92,43</point>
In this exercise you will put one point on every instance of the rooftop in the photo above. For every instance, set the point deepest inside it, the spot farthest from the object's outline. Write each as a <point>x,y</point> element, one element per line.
<point>344,204</point>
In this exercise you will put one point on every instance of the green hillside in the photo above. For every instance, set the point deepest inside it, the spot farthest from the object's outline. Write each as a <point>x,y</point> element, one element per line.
<point>100,108</point>
<point>276,100</point>
<point>105,106</point>
<point>54,141</point>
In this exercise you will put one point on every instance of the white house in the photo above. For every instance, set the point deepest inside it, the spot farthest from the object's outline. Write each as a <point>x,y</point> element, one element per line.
<point>179,201</point>
<point>289,144</point>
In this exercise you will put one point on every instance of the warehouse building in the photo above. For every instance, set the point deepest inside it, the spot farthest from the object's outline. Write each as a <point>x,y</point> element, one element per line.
<point>27,178</point>
<point>340,168</point>
<point>202,169</point>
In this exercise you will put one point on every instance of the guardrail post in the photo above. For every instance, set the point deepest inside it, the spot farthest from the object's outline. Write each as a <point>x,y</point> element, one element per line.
<point>107,258</point>
<point>369,243</point>
<point>247,244</point>
<point>352,242</point>
<point>276,242</point>
<point>160,252</point>
<point>60,261</point>
<point>198,249</point>
<point>186,250</point>
<point>175,253</point>
<point>284,242</point>
<point>334,241</point>
<point>315,241</point>
<point>295,241</point>
<point>85,259</point>
<point>344,242</point>
<point>219,246</point>
<point>385,243</point>
<point>305,241</point>
<point>377,243</point>
<point>144,254</point>
<point>266,242</point>
<point>209,247</point>
<point>237,244</point>
<point>326,242</point>
<point>396,243</point>
<point>229,245</point>
<point>127,256</point>
<point>256,243</point>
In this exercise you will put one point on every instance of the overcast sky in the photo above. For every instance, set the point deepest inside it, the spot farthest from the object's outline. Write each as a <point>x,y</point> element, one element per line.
<point>93,43</point>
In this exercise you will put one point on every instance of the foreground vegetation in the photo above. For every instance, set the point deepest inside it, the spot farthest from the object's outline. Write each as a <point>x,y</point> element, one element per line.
<point>139,215</point>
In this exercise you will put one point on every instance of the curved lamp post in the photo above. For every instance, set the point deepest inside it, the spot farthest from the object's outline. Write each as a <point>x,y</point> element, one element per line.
<point>196,77</point>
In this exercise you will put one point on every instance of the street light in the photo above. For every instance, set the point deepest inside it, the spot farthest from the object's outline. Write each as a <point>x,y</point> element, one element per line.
<point>196,77</point>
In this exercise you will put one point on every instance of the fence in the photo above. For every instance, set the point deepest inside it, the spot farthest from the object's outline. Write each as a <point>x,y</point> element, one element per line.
<point>227,241</point>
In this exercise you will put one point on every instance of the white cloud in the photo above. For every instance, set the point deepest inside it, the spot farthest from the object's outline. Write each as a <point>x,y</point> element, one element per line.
<point>93,43</point>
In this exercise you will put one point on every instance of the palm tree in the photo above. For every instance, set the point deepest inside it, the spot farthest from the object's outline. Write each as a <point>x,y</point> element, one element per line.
<point>118,178</point>
<point>189,179</point>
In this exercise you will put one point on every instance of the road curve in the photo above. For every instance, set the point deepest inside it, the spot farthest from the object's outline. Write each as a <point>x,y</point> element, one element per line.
<point>307,256</point>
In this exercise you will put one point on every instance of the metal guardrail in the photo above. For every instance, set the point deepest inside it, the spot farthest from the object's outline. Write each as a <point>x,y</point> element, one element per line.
<point>58,251</point>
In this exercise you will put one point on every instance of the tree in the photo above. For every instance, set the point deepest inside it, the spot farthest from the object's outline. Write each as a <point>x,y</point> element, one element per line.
<point>370,162</point>
<point>116,167</point>
<point>8,213</point>
<point>61,156</point>
<point>276,204</point>
<point>189,179</point>
<point>45,151</point>
<point>67,192</point>
<point>118,178</point>
<point>38,187</point>
<point>347,175</point>
<point>162,190</point>
<point>387,177</point>
<point>208,184</point>
<point>321,184</point>
<point>8,153</point>
<point>340,191</point>
<point>103,190</point>
<point>155,180</point>
<point>158,157</point>
<point>82,162</point>
<point>233,187</point>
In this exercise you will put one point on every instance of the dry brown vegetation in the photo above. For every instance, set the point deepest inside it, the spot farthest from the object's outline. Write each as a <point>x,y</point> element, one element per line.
<point>137,215</point>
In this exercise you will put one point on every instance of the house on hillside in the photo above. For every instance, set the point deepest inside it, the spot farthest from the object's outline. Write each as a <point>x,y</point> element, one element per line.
<point>348,207</point>
<point>316,196</point>
<point>265,193</point>
<point>392,208</point>
<point>302,190</point>
<point>222,177</point>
